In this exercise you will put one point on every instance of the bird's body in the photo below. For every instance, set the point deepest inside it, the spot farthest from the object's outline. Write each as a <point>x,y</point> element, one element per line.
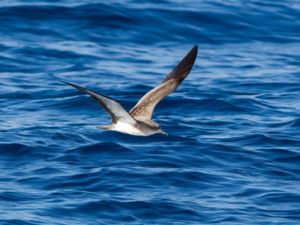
<point>138,129</point>
<point>128,129</point>
<point>138,121</point>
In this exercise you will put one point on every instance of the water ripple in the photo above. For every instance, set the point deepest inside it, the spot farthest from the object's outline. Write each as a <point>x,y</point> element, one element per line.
<point>232,153</point>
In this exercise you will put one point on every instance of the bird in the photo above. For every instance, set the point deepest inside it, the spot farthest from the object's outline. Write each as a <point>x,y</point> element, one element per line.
<point>138,121</point>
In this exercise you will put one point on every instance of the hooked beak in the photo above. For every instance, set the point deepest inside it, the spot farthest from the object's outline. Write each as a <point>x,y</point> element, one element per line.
<point>163,133</point>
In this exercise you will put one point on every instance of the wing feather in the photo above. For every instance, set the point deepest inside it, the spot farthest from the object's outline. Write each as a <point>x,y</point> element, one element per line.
<point>146,105</point>
<point>114,108</point>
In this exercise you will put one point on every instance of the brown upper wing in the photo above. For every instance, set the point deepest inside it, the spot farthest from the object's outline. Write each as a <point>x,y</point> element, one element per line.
<point>145,106</point>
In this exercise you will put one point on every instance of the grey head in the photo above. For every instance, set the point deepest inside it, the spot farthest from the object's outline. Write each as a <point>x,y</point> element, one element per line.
<point>140,115</point>
<point>150,127</point>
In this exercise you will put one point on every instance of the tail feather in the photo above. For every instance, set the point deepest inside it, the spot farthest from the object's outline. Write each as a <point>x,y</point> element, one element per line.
<point>105,127</point>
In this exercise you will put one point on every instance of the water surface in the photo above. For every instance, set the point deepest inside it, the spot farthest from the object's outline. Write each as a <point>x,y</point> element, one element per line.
<point>232,154</point>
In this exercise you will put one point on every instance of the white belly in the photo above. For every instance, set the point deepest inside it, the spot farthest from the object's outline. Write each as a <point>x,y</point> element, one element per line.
<point>128,129</point>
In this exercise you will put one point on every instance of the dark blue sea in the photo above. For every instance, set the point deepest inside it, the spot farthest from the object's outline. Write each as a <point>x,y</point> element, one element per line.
<point>233,151</point>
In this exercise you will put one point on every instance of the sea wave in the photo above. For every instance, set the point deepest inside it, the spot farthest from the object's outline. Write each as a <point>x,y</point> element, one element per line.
<point>232,153</point>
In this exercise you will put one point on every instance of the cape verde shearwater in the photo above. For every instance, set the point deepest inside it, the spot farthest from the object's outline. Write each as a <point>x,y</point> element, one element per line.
<point>138,121</point>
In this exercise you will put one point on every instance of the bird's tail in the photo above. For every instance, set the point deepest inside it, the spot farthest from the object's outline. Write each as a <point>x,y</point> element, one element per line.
<point>105,127</point>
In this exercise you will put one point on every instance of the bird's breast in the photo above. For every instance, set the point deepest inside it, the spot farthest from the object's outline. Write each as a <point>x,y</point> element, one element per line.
<point>128,129</point>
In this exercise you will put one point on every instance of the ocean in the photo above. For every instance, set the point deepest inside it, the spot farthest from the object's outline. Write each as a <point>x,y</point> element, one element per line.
<point>233,151</point>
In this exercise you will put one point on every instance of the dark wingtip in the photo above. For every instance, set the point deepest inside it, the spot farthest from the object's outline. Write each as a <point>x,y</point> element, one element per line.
<point>192,55</point>
<point>87,91</point>
<point>77,87</point>
<point>68,83</point>
<point>195,49</point>
<point>183,68</point>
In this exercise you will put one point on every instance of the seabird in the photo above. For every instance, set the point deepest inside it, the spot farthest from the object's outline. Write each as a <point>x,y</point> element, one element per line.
<point>138,120</point>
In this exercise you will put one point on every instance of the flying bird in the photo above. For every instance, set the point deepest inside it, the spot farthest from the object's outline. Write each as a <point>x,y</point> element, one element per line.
<point>138,120</point>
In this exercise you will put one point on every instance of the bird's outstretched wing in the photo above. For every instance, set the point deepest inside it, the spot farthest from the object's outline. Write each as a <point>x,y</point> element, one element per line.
<point>114,108</point>
<point>143,110</point>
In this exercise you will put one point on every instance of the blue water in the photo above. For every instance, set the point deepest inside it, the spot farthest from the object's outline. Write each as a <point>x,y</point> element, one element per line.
<point>232,155</point>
